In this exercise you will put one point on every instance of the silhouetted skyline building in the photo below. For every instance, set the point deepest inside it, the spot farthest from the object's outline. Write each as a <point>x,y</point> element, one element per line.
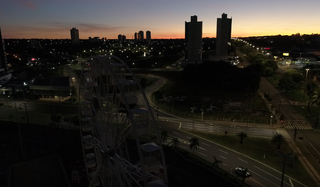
<point>3,55</point>
<point>140,36</point>
<point>148,36</point>
<point>94,39</point>
<point>135,36</point>
<point>223,35</point>
<point>193,38</point>
<point>121,38</point>
<point>74,36</point>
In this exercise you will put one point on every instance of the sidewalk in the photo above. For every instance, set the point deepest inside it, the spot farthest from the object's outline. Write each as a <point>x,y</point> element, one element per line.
<point>304,161</point>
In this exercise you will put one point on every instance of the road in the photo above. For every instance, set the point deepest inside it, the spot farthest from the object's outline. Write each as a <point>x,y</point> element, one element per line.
<point>283,105</point>
<point>263,175</point>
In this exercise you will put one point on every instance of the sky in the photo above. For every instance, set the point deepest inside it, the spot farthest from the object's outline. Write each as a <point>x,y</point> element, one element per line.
<point>53,19</point>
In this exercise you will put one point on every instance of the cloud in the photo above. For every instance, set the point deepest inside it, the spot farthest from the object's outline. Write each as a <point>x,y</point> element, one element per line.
<point>61,30</point>
<point>26,3</point>
<point>91,27</point>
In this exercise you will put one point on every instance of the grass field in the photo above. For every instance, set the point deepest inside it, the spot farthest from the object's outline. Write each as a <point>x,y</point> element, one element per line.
<point>226,105</point>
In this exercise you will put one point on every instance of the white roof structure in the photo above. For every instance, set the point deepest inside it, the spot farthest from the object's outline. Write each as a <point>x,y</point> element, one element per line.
<point>150,147</point>
<point>156,183</point>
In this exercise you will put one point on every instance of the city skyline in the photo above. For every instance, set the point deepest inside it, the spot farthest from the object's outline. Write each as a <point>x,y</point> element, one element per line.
<point>105,18</point>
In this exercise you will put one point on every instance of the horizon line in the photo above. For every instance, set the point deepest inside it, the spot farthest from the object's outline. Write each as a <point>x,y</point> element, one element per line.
<point>163,38</point>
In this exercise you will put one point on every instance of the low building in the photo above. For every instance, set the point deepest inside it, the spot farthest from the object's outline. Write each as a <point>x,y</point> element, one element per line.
<point>51,87</point>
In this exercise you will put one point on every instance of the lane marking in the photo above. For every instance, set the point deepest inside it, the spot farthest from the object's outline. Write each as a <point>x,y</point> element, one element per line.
<point>242,160</point>
<point>202,148</point>
<point>206,144</point>
<point>222,157</point>
<point>224,164</point>
<point>175,132</point>
<point>271,175</point>
<point>188,137</point>
<point>265,178</point>
<point>291,183</point>
<point>223,151</point>
<point>257,182</point>
<point>314,148</point>
<point>203,154</point>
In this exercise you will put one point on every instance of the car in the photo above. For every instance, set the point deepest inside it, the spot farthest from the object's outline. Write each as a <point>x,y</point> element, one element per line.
<point>242,172</point>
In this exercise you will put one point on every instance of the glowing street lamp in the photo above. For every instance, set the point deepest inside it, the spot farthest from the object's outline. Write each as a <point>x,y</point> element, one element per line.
<point>307,70</point>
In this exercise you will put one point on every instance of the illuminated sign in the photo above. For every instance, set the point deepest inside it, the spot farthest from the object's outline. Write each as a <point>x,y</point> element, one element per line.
<point>285,54</point>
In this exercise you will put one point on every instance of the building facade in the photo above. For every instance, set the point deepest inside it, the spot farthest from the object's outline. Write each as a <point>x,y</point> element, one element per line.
<point>148,36</point>
<point>74,36</point>
<point>223,35</point>
<point>140,36</point>
<point>135,36</point>
<point>193,39</point>
<point>3,55</point>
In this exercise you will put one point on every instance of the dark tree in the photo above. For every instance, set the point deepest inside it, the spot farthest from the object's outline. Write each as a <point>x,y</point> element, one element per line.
<point>194,143</point>
<point>242,135</point>
<point>278,138</point>
<point>286,83</point>
<point>56,118</point>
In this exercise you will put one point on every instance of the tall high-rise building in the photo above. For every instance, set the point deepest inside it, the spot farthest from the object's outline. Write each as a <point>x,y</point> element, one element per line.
<point>3,55</point>
<point>135,36</point>
<point>123,38</point>
<point>140,36</point>
<point>74,36</point>
<point>119,37</point>
<point>193,38</point>
<point>148,36</point>
<point>223,35</point>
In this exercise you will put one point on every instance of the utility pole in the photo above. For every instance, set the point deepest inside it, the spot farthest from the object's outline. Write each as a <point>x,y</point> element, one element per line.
<point>284,155</point>
<point>19,130</point>
<point>157,113</point>
<point>173,105</point>
<point>25,107</point>
<point>192,111</point>
<point>295,134</point>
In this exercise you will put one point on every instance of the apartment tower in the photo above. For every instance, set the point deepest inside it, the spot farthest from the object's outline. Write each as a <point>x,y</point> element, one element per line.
<point>74,36</point>
<point>135,36</point>
<point>223,35</point>
<point>140,36</point>
<point>148,36</point>
<point>3,55</point>
<point>193,38</point>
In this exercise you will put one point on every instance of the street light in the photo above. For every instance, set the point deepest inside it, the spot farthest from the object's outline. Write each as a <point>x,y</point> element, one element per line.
<point>307,70</point>
<point>284,155</point>
<point>201,114</point>
<point>271,120</point>
<point>192,111</point>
